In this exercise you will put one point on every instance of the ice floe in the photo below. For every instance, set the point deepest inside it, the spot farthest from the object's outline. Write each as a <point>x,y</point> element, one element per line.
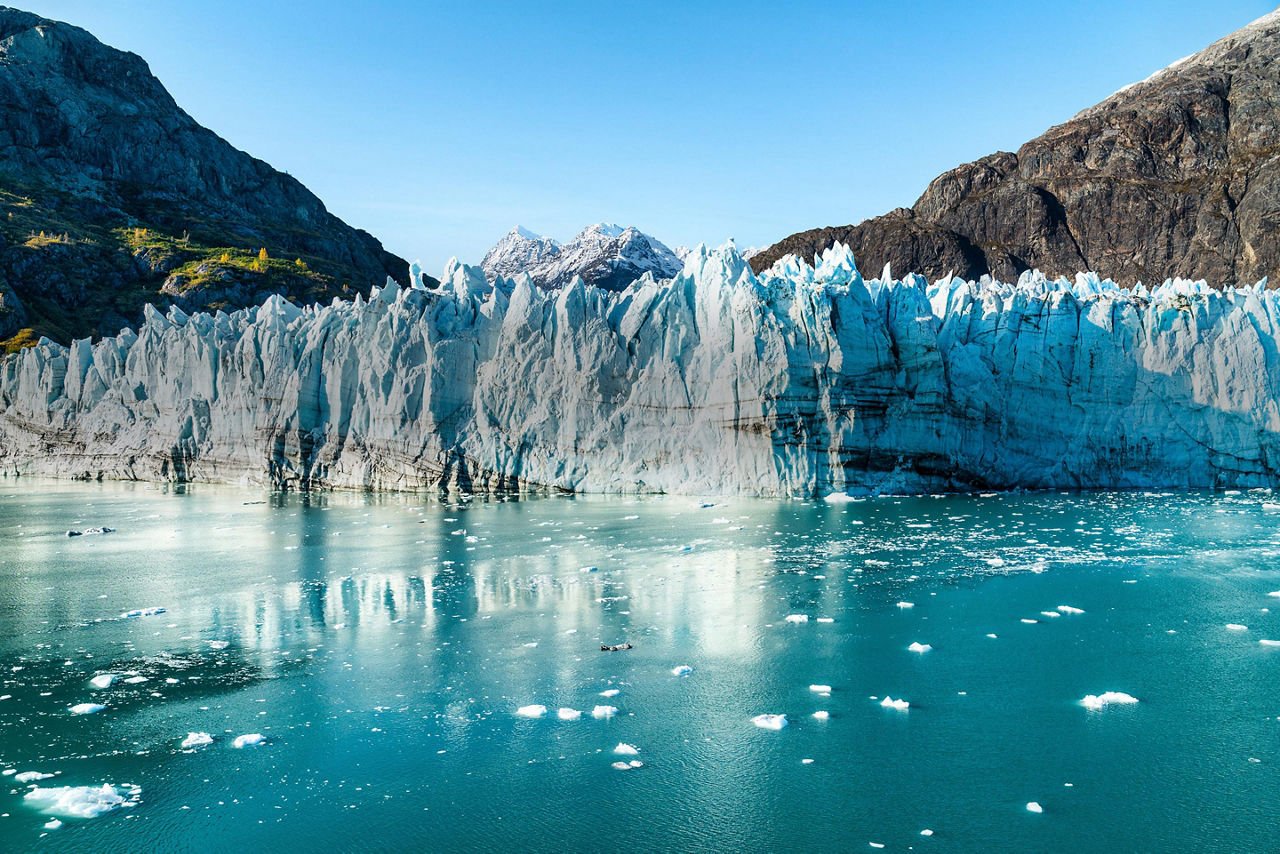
<point>1266,642</point>
<point>610,692</point>
<point>797,618</point>
<point>1237,627</point>
<point>1067,609</point>
<point>1032,806</point>
<point>142,612</point>
<point>31,776</point>
<point>681,670</point>
<point>905,605</point>
<point>103,681</point>
<point>820,689</point>
<point>770,721</point>
<point>86,708</point>
<point>821,715</point>
<point>83,801</point>
<point>624,749</point>
<point>920,647</point>
<point>1101,701</point>
<point>600,712</point>
<point>534,710</point>
<point>195,739</point>
<point>252,739</point>
<point>890,703</point>
<point>567,714</point>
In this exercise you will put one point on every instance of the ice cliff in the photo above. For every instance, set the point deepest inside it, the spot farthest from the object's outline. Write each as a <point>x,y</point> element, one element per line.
<point>800,380</point>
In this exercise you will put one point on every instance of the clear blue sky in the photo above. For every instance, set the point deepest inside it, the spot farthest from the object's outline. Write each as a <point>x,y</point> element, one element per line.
<point>438,126</point>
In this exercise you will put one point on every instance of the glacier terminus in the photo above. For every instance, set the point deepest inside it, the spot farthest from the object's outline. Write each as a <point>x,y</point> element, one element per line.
<point>799,381</point>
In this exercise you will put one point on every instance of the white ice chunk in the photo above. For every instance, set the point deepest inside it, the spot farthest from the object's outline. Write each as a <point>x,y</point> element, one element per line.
<point>926,832</point>
<point>797,618</point>
<point>1029,621</point>
<point>820,689</point>
<point>681,670</point>
<point>31,776</point>
<point>82,801</point>
<point>920,647</point>
<point>610,692</point>
<point>1067,609</point>
<point>905,605</point>
<point>1101,701</point>
<point>1265,642</point>
<point>103,680</point>
<point>821,715</point>
<point>195,739</point>
<point>1236,627</point>
<point>86,708</point>
<point>567,714</point>
<point>142,612</point>
<point>890,703</point>
<point>770,721</point>
<point>826,619</point>
<point>1032,806</point>
<point>252,739</point>
<point>136,680</point>
<point>535,710</point>
<point>624,749</point>
<point>52,825</point>
<point>600,712</point>
<point>219,644</point>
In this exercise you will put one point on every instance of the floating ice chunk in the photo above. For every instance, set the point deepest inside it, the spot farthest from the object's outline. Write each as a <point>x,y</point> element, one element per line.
<point>142,612</point>
<point>1265,642</point>
<point>905,605</point>
<point>1275,594</point>
<point>890,703</point>
<point>1067,609</point>
<point>535,710</point>
<point>770,721</point>
<point>920,647</point>
<point>797,618</point>
<point>610,692</point>
<point>820,689</point>
<point>31,776</point>
<point>136,680</point>
<point>681,670</point>
<point>53,825</point>
<point>992,636</point>
<point>806,761</point>
<point>86,708</point>
<point>567,714</point>
<point>600,712</point>
<point>624,749</point>
<point>252,739</point>
<point>926,832</point>
<point>1032,806</point>
<point>1029,621</point>
<point>1050,614</point>
<point>626,766</point>
<point>530,644</point>
<point>1236,627</point>
<point>995,561</point>
<point>1101,701</point>
<point>82,801</point>
<point>876,844</point>
<point>636,763</point>
<point>195,739</point>
<point>821,715</point>
<point>103,681</point>
<point>219,644</point>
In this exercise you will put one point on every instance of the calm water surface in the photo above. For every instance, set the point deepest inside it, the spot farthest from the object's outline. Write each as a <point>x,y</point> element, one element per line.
<point>382,645</point>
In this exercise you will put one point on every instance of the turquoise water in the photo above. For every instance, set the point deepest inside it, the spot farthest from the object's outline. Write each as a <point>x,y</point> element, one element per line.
<point>382,645</point>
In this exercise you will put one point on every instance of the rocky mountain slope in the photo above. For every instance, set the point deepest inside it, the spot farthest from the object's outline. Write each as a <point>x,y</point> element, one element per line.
<point>798,381</point>
<point>111,196</point>
<point>1178,175</point>
<point>604,255</point>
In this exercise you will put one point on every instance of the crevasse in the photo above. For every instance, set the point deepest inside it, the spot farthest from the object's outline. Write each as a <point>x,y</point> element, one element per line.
<point>802,380</point>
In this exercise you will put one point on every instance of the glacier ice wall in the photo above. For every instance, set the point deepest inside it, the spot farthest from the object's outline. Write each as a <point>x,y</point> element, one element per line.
<point>799,381</point>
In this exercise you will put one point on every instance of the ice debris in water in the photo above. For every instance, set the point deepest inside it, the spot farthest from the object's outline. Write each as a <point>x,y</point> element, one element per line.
<point>219,644</point>
<point>905,605</point>
<point>681,670</point>
<point>919,647</point>
<point>628,766</point>
<point>600,712</point>
<point>890,703</point>
<point>1236,627</point>
<point>610,692</point>
<point>83,801</point>
<point>252,739</point>
<point>821,715</point>
<point>624,749</point>
<point>86,708</point>
<point>820,689</point>
<point>195,739</point>
<point>1067,609</point>
<point>31,776</point>
<point>926,832</point>
<point>136,680</point>
<point>1032,806</point>
<point>53,824</point>
<point>770,721</point>
<point>797,618</point>
<point>1275,594</point>
<point>142,612</point>
<point>1265,642</point>
<point>103,681</point>
<point>1101,701</point>
<point>567,714</point>
<point>535,710</point>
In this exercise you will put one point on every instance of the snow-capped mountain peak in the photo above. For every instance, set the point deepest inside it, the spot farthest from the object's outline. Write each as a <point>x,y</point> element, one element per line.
<point>605,255</point>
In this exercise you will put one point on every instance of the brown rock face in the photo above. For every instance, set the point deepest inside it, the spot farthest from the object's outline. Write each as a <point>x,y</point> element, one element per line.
<point>1178,175</point>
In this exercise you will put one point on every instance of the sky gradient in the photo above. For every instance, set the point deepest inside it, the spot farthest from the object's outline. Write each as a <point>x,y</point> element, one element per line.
<point>439,126</point>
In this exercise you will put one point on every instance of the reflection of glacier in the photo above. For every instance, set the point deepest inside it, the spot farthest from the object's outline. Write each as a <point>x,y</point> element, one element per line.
<point>800,380</point>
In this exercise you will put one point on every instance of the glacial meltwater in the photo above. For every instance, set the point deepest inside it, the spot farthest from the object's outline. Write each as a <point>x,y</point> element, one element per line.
<point>229,670</point>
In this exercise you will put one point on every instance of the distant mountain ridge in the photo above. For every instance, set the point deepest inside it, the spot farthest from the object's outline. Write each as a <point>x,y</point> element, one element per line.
<point>111,196</point>
<point>1177,175</point>
<point>605,255</point>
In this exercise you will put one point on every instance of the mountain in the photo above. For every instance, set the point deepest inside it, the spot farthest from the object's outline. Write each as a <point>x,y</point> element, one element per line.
<point>800,381</point>
<point>111,196</point>
<point>605,255</point>
<point>1178,175</point>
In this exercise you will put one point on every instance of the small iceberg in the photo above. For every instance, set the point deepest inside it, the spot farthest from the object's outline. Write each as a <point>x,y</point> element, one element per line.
<point>610,692</point>
<point>219,644</point>
<point>1032,806</point>
<point>136,680</point>
<point>1236,627</point>
<point>252,739</point>
<point>1101,701</point>
<point>1067,609</point>
<point>103,681</point>
<point>919,647</point>
<point>142,612</point>
<point>770,721</point>
<point>535,710</point>
<point>624,749</point>
<point>601,712</point>
<point>1265,642</point>
<point>821,716</point>
<point>195,739</point>
<point>567,714</point>
<point>82,801</point>
<point>86,708</point>
<point>31,776</point>
<point>820,689</point>
<point>681,670</point>
<point>796,619</point>
<point>628,766</point>
<point>890,703</point>
<point>54,824</point>
<point>905,605</point>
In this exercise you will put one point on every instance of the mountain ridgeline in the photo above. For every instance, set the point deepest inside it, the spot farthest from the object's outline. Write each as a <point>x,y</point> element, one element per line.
<point>1178,175</point>
<point>112,197</point>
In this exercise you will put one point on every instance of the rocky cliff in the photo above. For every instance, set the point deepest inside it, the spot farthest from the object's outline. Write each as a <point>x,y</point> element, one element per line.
<point>112,196</point>
<point>798,381</point>
<point>1178,175</point>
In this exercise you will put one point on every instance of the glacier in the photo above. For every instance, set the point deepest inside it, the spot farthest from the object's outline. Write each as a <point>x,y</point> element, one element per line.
<point>803,380</point>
